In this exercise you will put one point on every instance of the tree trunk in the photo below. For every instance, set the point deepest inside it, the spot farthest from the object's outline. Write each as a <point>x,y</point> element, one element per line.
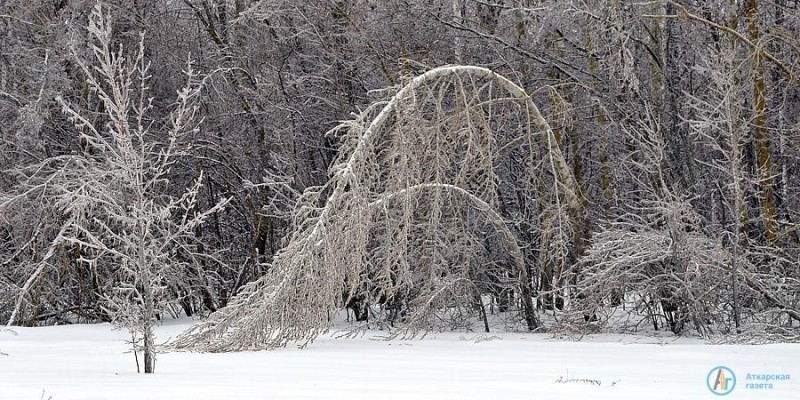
<point>149,346</point>
<point>759,132</point>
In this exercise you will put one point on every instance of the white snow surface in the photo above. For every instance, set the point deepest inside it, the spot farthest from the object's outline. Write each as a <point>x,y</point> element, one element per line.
<point>93,362</point>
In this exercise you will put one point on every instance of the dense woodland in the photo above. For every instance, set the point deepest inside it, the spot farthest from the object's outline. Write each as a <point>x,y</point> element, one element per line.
<point>157,155</point>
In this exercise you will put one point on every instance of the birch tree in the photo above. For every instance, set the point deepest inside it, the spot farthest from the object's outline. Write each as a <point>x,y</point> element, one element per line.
<point>409,204</point>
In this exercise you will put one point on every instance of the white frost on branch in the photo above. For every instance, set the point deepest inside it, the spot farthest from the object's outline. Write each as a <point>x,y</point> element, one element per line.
<point>405,214</point>
<point>115,199</point>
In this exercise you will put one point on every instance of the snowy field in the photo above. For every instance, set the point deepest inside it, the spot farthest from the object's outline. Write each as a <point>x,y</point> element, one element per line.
<point>91,362</point>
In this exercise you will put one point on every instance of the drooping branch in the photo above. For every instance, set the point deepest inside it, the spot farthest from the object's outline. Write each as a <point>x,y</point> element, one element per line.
<point>496,220</point>
<point>379,228</point>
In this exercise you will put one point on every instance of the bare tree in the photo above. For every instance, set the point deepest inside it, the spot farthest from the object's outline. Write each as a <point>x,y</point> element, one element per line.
<point>407,207</point>
<point>115,196</point>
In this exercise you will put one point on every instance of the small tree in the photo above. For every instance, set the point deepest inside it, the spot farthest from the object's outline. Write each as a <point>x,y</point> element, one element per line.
<point>115,196</point>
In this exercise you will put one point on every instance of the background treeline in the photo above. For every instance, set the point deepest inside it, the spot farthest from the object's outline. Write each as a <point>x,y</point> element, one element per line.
<point>679,121</point>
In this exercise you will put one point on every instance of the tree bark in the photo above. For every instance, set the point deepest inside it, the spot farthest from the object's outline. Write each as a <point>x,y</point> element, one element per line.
<point>759,131</point>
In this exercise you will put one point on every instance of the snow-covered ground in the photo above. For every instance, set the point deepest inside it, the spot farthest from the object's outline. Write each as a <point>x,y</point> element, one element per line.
<point>91,362</point>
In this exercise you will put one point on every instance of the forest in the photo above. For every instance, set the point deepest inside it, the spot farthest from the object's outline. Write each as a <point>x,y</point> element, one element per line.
<point>562,166</point>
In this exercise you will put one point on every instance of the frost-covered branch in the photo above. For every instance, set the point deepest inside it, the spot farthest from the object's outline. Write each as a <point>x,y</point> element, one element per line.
<point>409,214</point>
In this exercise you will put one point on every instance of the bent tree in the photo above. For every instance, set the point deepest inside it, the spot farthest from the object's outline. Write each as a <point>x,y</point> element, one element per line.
<point>421,222</point>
